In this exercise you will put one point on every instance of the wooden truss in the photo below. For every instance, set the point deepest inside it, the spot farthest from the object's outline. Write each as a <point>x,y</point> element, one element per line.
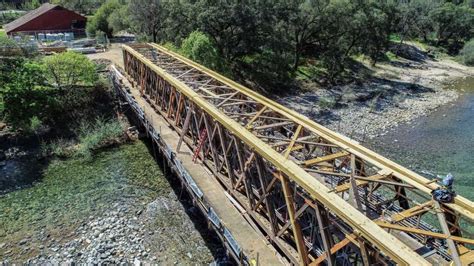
<point>319,197</point>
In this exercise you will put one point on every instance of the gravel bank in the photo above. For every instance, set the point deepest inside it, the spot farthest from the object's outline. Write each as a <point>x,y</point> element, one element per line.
<point>398,93</point>
<point>129,234</point>
<point>160,233</point>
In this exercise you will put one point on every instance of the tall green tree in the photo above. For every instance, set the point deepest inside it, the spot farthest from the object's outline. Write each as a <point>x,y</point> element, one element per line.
<point>100,20</point>
<point>198,47</point>
<point>453,25</point>
<point>149,17</point>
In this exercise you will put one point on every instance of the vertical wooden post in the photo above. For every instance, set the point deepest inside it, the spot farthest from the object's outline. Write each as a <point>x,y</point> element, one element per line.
<point>300,245</point>
<point>323,223</point>
<point>444,226</point>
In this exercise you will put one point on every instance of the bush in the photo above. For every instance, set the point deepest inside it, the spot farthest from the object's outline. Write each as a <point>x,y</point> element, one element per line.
<point>327,102</point>
<point>9,47</point>
<point>69,69</point>
<point>25,95</point>
<point>7,17</point>
<point>198,47</point>
<point>467,53</point>
<point>95,135</point>
<point>62,148</point>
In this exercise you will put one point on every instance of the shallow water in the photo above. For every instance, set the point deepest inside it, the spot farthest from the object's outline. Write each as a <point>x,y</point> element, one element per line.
<point>18,173</point>
<point>440,143</point>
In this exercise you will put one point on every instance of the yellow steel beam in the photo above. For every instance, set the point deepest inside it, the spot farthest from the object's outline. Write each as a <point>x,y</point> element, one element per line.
<point>461,205</point>
<point>378,237</point>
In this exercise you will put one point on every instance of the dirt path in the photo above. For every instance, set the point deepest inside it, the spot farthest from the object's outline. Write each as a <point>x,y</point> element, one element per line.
<point>114,54</point>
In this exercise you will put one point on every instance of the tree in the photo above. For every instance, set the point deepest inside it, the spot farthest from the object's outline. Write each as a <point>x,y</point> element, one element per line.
<point>148,16</point>
<point>82,6</point>
<point>231,25</point>
<point>467,53</point>
<point>198,47</point>
<point>118,19</point>
<point>453,25</point>
<point>100,20</point>
<point>66,70</point>
<point>415,20</point>
<point>302,23</point>
<point>25,94</point>
<point>378,21</point>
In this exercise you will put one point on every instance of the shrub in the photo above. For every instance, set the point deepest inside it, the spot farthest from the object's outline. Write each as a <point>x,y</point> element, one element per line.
<point>7,17</point>
<point>69,69</point>
<point>95,135</point>
<point>9,47</point>
<point>25,94</point>
<point>61,148</point>
<point>327,102</point>
<point>198,47</point>
<point>467,53</point>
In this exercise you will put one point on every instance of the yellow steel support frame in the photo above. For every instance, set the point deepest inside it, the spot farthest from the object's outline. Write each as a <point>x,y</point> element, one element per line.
<point>291,172</point>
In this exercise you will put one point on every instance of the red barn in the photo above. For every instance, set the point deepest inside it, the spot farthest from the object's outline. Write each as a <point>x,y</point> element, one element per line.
<point>47,18</point>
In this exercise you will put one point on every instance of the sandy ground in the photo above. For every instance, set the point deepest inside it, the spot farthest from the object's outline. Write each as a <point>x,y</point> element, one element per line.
<point>114,54</point>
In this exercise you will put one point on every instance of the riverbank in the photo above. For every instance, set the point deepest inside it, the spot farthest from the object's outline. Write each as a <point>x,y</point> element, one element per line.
<point>116,208</point>
<point>398,92</point>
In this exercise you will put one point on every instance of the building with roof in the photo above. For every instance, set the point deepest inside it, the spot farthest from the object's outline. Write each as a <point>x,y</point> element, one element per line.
<point>48,18</point>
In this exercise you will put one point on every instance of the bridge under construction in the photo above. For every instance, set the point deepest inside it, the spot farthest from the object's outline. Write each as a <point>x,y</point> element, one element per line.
<point>279,188</point>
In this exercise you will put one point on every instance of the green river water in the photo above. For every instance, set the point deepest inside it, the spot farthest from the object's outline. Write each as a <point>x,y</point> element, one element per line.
<point>439,143</point>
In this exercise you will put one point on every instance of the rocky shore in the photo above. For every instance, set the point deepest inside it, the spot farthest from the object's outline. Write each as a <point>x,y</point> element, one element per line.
<point>116,209</point>
<point>399,92</point>
<point>126,234</point>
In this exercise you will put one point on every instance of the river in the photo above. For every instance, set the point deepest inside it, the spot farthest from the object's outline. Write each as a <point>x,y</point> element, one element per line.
<point>439,143</point>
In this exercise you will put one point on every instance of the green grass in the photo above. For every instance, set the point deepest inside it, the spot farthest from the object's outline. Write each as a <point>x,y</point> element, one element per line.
<point>391,56</point>
<point>71,190</point>
<point>3,33</point>
<point>94,135</point>
<point>310,71</point>
<point>394,37</point>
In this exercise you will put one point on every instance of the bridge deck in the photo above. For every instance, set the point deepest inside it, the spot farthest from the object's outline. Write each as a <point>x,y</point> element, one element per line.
<point>253,243</point>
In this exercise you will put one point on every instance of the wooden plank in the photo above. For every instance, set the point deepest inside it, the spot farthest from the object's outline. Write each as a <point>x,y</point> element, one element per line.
<point>300,245</point>
<point>292,142</point>
<point>346,186</point>
<point>444,226</point>
<point>424,232</point>
<point>416,210</point>
<point>338,246</point>
<point>326,158</point>
<point>279,124</point>
<point>259,113</point>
